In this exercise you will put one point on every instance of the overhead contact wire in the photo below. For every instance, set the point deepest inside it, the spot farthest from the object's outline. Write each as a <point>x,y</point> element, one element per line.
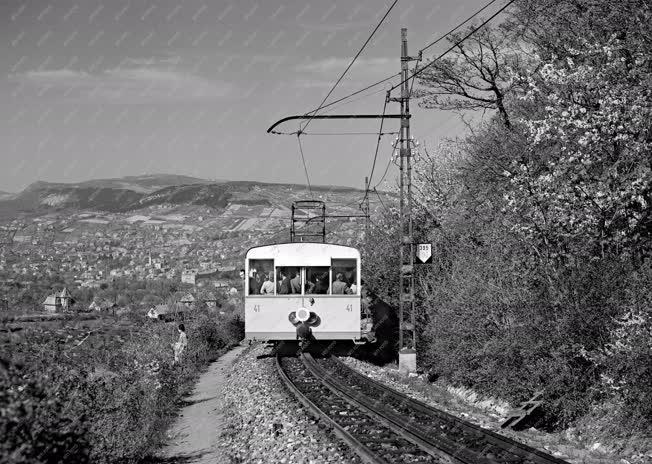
<point>473,31</point>
<point>382,81</point>
<point>356,92</point>
<point>373,165</point>
<point>303,159</point>
<point>458,26</point>
<point>350,64</point>
<point>389,162</point>
<point>436,41</point>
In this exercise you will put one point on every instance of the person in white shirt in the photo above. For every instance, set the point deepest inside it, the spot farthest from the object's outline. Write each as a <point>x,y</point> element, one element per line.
<point>181,345</point>
<point>268,287</point>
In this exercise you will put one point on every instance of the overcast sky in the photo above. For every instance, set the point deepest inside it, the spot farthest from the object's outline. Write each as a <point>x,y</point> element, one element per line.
<point>93,89</point>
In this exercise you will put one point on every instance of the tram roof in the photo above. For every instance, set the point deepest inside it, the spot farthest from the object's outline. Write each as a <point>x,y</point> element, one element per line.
<point>303,253</point>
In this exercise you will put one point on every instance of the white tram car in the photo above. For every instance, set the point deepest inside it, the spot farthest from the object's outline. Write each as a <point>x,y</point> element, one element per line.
<point>316,283</point>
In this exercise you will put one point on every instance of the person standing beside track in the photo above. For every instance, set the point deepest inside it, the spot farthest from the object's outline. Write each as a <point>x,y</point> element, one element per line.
<point>181,345</point>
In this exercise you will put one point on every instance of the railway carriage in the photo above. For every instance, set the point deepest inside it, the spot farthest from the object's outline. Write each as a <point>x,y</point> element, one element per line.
<point>316,283</point>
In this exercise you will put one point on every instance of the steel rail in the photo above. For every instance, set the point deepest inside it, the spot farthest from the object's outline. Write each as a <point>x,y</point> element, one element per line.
<point>493,438</point>
<point>365,454</point>
<point>439,448</point>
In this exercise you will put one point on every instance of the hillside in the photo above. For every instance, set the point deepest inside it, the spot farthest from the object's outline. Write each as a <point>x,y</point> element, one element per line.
<point>137,192</point>
<point>141,184</point>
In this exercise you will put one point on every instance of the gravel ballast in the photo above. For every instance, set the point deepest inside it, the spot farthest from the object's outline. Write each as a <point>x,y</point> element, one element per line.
<point>489,414</point>
<point>263,423</point>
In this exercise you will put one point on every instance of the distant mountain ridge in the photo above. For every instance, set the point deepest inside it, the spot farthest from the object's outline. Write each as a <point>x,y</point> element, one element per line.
<point>143,184</point>
<point>137,192</point>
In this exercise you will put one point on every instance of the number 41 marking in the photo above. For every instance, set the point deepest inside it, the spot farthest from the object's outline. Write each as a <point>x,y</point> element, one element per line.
<point>256,308</point>
<point>349,308</point>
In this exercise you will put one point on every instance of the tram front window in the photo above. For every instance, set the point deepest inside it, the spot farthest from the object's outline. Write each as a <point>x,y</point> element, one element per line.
<point>261,277</point>
<point>317,280</point>
<point>288,280</point>
<point>344,277</point>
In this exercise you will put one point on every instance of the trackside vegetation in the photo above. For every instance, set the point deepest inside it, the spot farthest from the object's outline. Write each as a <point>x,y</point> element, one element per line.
<point>541,218</point>
<point>100,394</point>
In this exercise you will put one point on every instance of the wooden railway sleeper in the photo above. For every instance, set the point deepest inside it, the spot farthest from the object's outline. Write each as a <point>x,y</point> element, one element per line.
<point>492,438</point>
<point>437,447</point>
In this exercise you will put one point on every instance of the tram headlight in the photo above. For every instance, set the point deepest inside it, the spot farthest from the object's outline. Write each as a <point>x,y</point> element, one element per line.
<point>303,314</point>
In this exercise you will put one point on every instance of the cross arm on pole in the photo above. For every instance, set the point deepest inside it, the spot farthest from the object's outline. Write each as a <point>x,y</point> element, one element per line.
<point>331,116</point>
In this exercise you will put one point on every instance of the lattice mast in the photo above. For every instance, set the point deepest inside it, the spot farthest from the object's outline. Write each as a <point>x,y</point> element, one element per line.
<point>407,334</point>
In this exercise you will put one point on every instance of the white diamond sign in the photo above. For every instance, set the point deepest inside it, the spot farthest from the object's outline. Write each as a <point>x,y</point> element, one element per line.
<point>424,253</point>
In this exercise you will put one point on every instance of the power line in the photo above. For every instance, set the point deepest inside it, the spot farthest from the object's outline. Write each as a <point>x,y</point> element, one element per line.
<point>442,37</point>
<point>473,31</point>
<point>375,92</point>
<point>373,165</point>
<point>381,200</point>
<point>458,26</point>
<point>341,207</point>
<point>382,81</point>
<point>351,63</point>
<point>332,107</point>
<point>303,159</point>
<point>389,163</point>
<point>380,135</point>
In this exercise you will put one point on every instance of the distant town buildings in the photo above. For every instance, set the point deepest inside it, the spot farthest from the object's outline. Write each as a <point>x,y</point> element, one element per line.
<point>188,245</point>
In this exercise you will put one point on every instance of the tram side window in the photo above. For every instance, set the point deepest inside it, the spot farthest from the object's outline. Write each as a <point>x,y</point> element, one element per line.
<point>261,277</point>
<point>317,280</point>
<point>345,277</point>
<point>288,280</point>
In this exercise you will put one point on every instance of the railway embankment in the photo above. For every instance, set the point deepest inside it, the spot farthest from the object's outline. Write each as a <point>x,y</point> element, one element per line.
<point>261,421</point>
<point>489,413</point>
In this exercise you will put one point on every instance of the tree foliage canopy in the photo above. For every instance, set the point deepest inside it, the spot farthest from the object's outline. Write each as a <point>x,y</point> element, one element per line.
<point>541,218</point>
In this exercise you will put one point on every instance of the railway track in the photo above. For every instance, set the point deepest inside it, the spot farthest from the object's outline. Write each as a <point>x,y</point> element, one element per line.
<point>374,441</point>
<point>382,425</point>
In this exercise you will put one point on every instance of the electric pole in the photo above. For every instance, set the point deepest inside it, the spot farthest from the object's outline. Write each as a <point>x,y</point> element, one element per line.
<point>407,357</point>
<point>407,335</point>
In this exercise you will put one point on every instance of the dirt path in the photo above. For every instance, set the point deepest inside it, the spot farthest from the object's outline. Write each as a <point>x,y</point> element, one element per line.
<point>195,434</point>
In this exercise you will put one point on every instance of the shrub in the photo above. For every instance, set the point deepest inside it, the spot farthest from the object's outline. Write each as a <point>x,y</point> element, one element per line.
<point>105,397</point>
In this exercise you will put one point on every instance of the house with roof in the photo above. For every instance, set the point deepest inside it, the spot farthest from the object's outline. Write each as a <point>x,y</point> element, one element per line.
<point>66,299</point>
<point>60,301</point>
<point>101,305</point>
<point>164,312</point>
<point>210,299</point>
<point>187,300</point>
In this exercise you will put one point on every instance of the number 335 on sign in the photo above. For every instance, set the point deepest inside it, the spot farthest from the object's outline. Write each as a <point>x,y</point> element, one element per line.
<point>424,253</point>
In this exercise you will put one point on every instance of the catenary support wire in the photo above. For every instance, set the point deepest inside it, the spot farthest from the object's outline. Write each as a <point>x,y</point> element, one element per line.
<point>305,168</point>
<point>351,63</point>
<point>456,44</point>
